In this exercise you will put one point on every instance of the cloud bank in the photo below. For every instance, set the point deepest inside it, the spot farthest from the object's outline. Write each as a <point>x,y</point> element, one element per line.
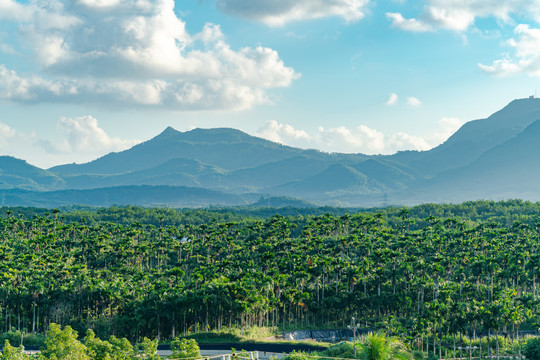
<point>460,15</point>
<point>280,12</point>
<point>361,139</point>
<point>134,52</point>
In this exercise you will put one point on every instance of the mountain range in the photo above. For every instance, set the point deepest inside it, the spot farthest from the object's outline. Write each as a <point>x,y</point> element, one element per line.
<point>493,158</point>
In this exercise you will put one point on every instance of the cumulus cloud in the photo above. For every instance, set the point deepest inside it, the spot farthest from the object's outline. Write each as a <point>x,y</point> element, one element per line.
<point>280,12</point>
<point>459,15</point>
<point>136,52</point>
<point>84,136</point>
<point>413,101</point>
<point>6,133</point>
<point>284,134</point>
<point>361,139</point>
<point>392,100</point>
<point>408,24</point>
<point>526,57</point>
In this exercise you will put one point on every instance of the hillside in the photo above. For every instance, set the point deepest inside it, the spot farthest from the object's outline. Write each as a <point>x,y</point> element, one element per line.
<point>337,178</point>
<point>226,148</point>
<point>475,138</point>
<point>509,170</point>
<point>16,173</point>
<point>174,172</point>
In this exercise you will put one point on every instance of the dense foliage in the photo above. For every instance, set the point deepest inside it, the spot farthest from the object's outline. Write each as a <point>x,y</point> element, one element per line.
<point>436,276</point>
<point>63,344</point>
<point>532,349</point>
<point>377,346</point>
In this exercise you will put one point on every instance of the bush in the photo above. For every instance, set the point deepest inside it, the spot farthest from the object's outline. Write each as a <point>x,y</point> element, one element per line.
<point>532,349</point>
<point>298,355</point>
<point>342,350</point>
<point>13,353</point>
<point>185,349</point>
<point>34,340</point>
<point>14,338</point>
<point>149,348</point>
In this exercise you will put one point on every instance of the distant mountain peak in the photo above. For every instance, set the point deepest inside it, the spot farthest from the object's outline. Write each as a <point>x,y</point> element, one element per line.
<point>218,135</point>
<point>212,135</point>
<point>169,132</point>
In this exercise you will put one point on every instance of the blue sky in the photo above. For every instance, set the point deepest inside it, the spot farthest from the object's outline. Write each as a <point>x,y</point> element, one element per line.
<point>81,78</point>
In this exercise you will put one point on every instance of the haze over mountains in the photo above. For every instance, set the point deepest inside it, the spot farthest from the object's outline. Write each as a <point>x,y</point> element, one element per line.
<point>494,158</point>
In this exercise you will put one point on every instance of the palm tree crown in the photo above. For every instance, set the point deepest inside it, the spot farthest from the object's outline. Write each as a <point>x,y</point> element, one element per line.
<point>378,346</point>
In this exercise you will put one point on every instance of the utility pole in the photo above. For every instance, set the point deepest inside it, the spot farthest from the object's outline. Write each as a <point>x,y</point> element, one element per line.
<point>354,326</point>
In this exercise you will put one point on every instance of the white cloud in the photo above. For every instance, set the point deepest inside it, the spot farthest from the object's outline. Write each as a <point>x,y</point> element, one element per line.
<point>447,126</point>
<point>361,139</point>
<point>12,86</point>
<point>408,24</point>
<point>404,141</point>
<point>84,136</point>
<point>10,9</point>
<point>414,102</point>
<point>7,49</point>
<point>137,52</point>
<point>283,134</point>
<point>460,15</point>
<point>6,133</point>
<point>280,12</point>
<point>392,100</point>
<point>99,4</point>
<point>526,54</point>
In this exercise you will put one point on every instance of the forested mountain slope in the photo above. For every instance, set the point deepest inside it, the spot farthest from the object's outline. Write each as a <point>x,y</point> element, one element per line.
<point>16,173</point>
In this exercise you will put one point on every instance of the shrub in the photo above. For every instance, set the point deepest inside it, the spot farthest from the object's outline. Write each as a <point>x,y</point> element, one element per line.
<point>532,349</point>
<point>297,355</point>
<point>185,348</point>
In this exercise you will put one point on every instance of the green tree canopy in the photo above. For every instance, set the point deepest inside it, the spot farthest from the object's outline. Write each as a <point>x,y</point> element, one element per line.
<point>185,349</point>
<point>63,344</point>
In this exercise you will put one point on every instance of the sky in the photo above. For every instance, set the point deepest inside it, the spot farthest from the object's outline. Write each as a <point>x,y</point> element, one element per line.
<point>82,78</point>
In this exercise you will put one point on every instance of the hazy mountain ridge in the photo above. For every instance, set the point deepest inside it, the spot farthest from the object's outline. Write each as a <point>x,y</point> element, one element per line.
<point>18,174</point>
<point>493,158</point>
<point>223,147</point>
<point>511,169</point>
<point>476,137</point>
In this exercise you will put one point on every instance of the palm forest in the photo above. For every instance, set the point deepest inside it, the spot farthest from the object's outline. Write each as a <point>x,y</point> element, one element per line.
<point>428,274</point>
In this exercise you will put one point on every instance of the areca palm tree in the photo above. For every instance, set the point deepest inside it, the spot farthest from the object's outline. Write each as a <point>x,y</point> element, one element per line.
<point>378,346</point>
